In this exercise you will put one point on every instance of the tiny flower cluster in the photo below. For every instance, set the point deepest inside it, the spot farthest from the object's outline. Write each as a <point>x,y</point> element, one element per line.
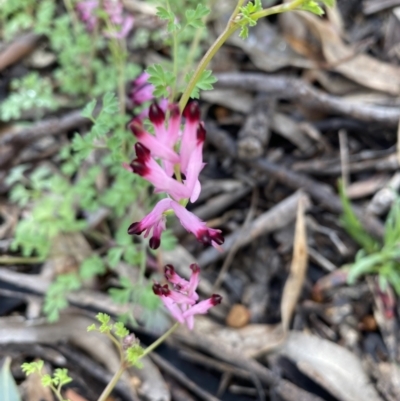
<point>178,173</point>
<point>121,24</point>
<point>181,301</point>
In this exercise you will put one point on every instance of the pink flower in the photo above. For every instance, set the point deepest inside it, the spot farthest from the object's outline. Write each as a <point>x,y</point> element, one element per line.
<point>122,25</point>
<point>121,31</point>
<point>197,227</point>
<point>166,175</point>
<point>181,300</point>
<point>141,91</point>
<point>145,166</point>
<point>155,222</point>
<point>86,12</point>
<point>161,146</point>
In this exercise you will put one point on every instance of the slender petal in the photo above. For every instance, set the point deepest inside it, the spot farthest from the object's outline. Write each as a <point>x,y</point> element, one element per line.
<point>174,278</point>
<point>194,225</point>
<point>156,148</point>
<point>149,169</point>
<point>194,280</point>
<point>141,94</point>
<point>189,135</point>
<point>195,165</point>
<point>153,222</point>
<point>203,306</point>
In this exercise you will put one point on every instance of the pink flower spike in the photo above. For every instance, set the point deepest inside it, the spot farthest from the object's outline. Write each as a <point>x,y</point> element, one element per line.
<point>156,148</point>
<point>199,228</point>
<point>154,221</point>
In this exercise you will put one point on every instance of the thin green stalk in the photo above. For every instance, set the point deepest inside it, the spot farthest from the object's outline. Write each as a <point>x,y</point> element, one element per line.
<point>117,345</point>
<point>56,391</point>
<point>156,343</point>
<point>72,15</point>
<point>230,28</point>
<point>175,66</point>
<point>233,24</point>
<point>142,260</point>
<point>110,386</point>
<point>281,8</point>
<point>193,47</point>
<point>119,56</point>
<point>11,260</point>
<point>205,61</point>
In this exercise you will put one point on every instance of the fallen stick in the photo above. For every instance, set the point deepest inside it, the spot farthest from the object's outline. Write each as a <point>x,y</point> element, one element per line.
<point>285,87</point>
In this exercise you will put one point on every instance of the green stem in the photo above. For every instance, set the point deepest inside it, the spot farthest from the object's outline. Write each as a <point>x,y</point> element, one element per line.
<point>117,345</point>
<point>235,22</point>
<point>110,386</point>
<point>142,260</point>
<point>156,343</point>
<point>228,31</point>
<point>281,8</point>
<point>175,66</point>
<point>57,392</point>
<point>120,59</point>
<point>10,260</point>
<point>70,9</point>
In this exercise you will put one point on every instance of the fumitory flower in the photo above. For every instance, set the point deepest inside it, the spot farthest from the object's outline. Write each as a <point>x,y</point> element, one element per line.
<point>181,300</point>
<point>141,92</point>
<point>175,172</point>
<point>121,24</point>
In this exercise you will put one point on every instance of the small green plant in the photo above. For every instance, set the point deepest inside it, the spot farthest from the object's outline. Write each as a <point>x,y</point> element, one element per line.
<point>55,382</point>
<point>171,159</point>
<point>52,201</point>
<point>374,257</point>
<point>31,91</point>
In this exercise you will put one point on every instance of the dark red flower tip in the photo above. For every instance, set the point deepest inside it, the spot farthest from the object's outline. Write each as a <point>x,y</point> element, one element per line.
<point>139,168</point>
<point>201,133</point>
<point>192,112</point>
<point>159,289</point>
<point>206,236</point>
<point>135,228</point>
<point>216,299</point>
<point>195,268</point>
<point>169,271</point>
<point>156,115</point>
<point>203,236</point>
<point>142,153</point>
<point>217,237</point>
<point>136,127</point>
<point>154,242</point>
<point>174,110</point>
